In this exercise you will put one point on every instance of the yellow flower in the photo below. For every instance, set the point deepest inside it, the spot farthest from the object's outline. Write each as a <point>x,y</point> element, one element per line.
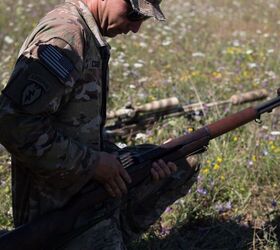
<point>205,171</point>
<point>216,166</point>
<point>235,138</point>
<point>217,75</point>
<point>190,130</point>
<point>219,159</point>
<point>195,73</point>
<point>222,178</point>
<point>254,158</point>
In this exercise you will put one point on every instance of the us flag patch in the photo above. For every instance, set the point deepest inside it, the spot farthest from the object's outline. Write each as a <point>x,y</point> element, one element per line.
<point>56,62</point>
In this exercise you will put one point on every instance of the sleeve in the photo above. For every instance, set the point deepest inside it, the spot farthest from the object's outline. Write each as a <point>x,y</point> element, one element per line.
<point>37,89</point>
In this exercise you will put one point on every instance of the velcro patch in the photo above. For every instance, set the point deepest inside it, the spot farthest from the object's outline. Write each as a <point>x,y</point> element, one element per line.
<point>34,88</point>
<point>32,92</point>
<point>55,61</point>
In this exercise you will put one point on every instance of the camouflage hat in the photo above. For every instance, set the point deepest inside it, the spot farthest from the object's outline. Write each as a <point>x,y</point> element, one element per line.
<point>149,8</point>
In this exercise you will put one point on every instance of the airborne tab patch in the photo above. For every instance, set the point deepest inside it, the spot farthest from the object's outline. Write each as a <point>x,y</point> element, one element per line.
<point>55,61</point>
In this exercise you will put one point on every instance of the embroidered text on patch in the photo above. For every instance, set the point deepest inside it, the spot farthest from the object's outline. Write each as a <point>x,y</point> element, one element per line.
<point>58,64</point>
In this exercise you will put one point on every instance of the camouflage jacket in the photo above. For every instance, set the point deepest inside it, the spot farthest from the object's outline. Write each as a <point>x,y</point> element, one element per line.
<point>54,109</point>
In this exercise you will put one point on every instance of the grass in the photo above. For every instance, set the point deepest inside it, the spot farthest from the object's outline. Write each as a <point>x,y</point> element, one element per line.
<point>207,50</point>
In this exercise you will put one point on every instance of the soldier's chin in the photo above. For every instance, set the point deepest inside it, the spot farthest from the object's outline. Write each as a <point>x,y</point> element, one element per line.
<point>112,33</point>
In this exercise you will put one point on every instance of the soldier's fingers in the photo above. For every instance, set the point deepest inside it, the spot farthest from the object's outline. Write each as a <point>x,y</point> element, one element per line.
<point>125,175</point>
<point>114,186</point>
<point>172,166</point>
<point>121,184</point>
<point>158,169</point>
<point>164,167</point>
<point>109,190</point>
<point>155,175</point>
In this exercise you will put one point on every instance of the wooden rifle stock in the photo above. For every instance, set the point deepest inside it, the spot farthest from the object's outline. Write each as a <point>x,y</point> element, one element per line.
<point>43,232</point>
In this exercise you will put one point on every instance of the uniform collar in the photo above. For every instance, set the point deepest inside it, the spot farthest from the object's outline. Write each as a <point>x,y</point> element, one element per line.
<point>90,21</point>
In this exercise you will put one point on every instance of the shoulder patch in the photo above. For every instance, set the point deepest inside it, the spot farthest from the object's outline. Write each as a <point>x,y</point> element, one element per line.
<point>34,89</point>
<point>55,61</point>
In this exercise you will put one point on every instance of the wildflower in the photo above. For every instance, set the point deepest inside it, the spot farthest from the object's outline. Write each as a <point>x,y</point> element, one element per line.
<point>235,138</point>
<point>217,75</point>
<point>274,203</point>
<point>168,209</point>
<point>198,54</point>
<point>8,40</point>
<point>205,171</point>
<point>249,51</point>
<point>265,152</point>
<point>236,43</point>
<point>219,159</point>
<point>201,191</point>
<point>222,178</point>
<point>166,43</point>
<point>164,231</point>
<point>140,136</point>
<point>252,65</point>
<point>190,129</point>
<point>250,163</point>
<point>223,207</point>
<point>216,166</point>
<point>138,65</point>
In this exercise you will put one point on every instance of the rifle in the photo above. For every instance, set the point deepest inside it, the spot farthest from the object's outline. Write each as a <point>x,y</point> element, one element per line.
<point>49,228</point>
<point>129,120</point>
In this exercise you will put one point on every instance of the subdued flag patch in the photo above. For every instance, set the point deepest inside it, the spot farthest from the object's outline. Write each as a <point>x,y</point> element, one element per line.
<point>55,61</point>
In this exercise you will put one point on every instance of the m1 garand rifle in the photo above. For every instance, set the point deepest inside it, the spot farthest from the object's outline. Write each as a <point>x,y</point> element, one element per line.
<point>45,231</point>
<point>128,121</point>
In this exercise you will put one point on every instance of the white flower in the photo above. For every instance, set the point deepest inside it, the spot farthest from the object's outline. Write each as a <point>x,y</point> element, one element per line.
<point>270,51</point>
<point>8,40</point>
<point>140,136</point>
<point>198,54</point>
<point>138,65</point>
<point>249,51</point>
<point>252,65</point>
<point>236,43</point>
<point>166,42</point>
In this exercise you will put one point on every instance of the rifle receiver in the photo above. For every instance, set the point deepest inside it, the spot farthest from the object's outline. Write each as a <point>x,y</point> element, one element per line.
<point>268,106</point>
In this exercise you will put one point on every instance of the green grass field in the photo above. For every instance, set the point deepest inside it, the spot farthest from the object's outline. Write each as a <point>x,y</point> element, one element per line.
<point>206,51</point>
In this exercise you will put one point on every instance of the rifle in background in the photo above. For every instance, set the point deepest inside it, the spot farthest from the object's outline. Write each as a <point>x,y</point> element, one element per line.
<point>130,120</point>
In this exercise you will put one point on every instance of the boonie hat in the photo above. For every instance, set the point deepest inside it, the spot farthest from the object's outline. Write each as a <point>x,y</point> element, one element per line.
<point>149,8</point>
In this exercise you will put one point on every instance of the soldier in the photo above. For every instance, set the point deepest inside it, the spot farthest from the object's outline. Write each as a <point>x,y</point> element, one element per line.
<point>54,107</point>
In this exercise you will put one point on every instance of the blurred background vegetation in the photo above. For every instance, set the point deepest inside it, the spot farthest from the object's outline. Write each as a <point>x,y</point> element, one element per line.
<point>208,50</point>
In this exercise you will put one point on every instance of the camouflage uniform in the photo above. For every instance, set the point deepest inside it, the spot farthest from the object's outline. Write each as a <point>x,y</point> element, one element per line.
<point>55,108</point>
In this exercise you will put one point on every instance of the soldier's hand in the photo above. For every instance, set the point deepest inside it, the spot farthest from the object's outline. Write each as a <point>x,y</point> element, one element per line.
<point>111,174</point>
<point>161,170</point>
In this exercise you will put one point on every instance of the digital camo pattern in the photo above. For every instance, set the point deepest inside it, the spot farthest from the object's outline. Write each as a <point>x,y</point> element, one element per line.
<point>54,108</point>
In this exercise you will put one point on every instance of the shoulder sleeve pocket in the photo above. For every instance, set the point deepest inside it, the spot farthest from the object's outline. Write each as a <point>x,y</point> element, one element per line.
<point>34,89</point>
